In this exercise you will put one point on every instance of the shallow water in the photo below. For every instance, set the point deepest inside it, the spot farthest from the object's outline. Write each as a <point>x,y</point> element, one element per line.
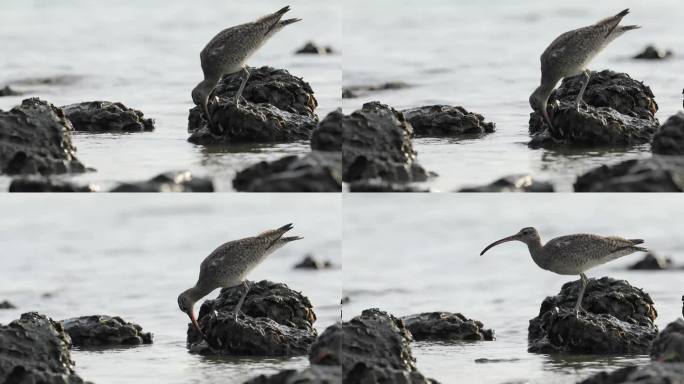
<point>426,253</point>
<point>146,55</point>
<point>485,56</point>
<point>131,256</point>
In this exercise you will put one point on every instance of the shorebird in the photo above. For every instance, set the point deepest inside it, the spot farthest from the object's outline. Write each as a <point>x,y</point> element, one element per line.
<point>228,265</point>
<point>573,254</point>
<point>570,53</point>
<point>228,51</point>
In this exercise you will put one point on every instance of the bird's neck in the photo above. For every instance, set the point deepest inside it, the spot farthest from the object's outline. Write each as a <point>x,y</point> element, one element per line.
<point>544,91</point>
<point>197,292</point>
<point>536,251</point>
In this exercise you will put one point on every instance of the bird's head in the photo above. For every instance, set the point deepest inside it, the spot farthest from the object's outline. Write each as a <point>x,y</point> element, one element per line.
<point>527,235</point>
<point>539,101</point>
<point>200,96</point>
<point>186,304</point>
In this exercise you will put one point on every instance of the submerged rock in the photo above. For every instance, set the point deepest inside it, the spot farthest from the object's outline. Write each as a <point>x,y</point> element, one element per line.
<point>667,373</point>
<point>310,262</point>
<point>446,120</point>
<point>377,144</point>
<point>274,321</point>
<point>617,110</point>
<point>105,116</point>
<point>7,91</point>
<point>652,262</point>
<point>669,345</point>
<point>328,135</point>
<point>653,53</point>
<point>446,326</point>
<point>277,107</point>
<point>311,48</point>
<point>513,183</point>
<point>35,349</point>
<point>355,91</point>
<point>648,175</point>
<point>35,137</point>
<point>619,319</point>
<point>101,330</point>
<point>314,172</point>
<point>47,184</point>
<point>379,185</point>
<point>174,181</point>
<point>376,349</point>
<point>6,305</point>
<point>669,139</point>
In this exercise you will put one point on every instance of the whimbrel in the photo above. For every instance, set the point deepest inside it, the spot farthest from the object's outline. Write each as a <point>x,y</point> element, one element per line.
<point>228,51</point>
<point>573,254</point>
<point>228,265</point>
<point>570,53</point>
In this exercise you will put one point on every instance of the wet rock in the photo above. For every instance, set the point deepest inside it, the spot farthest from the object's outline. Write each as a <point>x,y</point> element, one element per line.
<point>375,349</point>
<point>513,183</point>
<point>47,184</point>
<point>669,139</point>
<point>35,349</point>
<point>274,321</point>
<point>377,144</point>
<point>379,185</point>
<point>667,373</point>
<point>669,345</point>
<point>327,350</point>
<point>174,181</point>
<point>619,319</point>
<point>446,326</point>
<point>314,172</point>
<point>653,53</point>
<point>310,262</point>
<point>6,305</point>
<point>652,262</point>
<point>646,175</point>
<point>277,107</point>
<point>355,91</point>
<point>35,137</point>
<point>7,91</point>
<point>312,48</point>
<point>102,330</point>
<point>446,121</point>
<point>315,374</point>
<point>328,135</point>
<point>619,111</point>
<point>105,116</point>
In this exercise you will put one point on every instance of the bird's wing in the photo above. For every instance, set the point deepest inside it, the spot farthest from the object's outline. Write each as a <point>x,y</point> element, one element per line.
<point>593,248</point>
<point>226,252</point>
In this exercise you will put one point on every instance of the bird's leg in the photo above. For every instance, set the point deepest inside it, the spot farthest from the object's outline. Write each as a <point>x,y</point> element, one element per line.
<point>583,280</point>
<point>587,76</point>
<point>242,86</point>
<point>242,299</point>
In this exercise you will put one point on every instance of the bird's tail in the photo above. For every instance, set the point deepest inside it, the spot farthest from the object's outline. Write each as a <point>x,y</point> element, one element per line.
<point>625,28</point>
<point>638,241</point>
<point>611,23</point>
<point>283,23</point>
<point>290,238</point>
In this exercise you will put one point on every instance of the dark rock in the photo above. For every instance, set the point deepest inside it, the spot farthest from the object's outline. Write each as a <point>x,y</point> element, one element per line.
<point>653,53</point>
<point>647,175</point>
<point>47,184</point>
<point>669,345</point>
<point>315,374</point>
<point>312,48</point>
<point>327,350</point>
<point>619,111</point>
<point>376,349</point>
<point>35,349</point>
<point>328,135</point>
<point>667,373</point>
<point>7,91</point>
<point>310,262</point>
<point>175,181</point>
<point>315,172</point>
<point>446,326</point>
<point>6,305</point>
<point>102,330</point>
<point>361,90</point>
<point>619,319</point>
<point>669,139</point>
<point>652,262</point>
<point>445,120</point>
<point>513,183</point>
<point>379,185</point>
<point>377,143</point>
<point>274,321</point>
<point>105,116</point>
<point>36,138</point>
<point>277,107</point>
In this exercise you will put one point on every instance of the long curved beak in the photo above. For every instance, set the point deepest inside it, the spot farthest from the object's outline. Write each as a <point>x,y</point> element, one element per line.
<point>191,314</point>
<point>547,119</point>
<point>505,239</point>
